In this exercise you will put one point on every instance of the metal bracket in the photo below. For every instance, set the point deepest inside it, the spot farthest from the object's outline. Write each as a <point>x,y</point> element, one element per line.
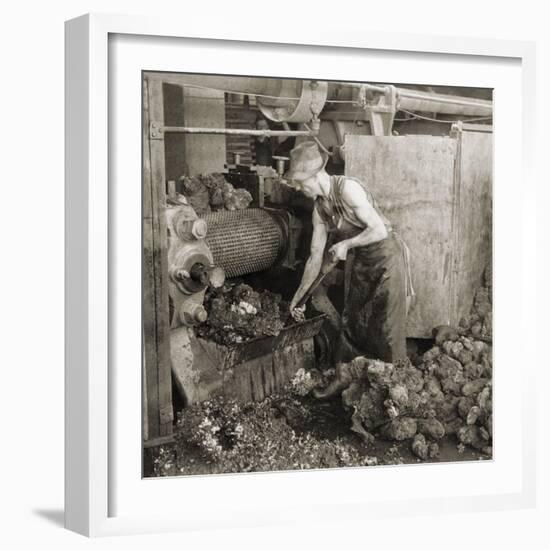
<point>156,130</point>
<point>380,110</point>
<point>456,129</point>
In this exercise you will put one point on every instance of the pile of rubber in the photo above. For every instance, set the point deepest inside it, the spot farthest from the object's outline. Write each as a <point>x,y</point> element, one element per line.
<point>237,313</point>
<point>212,192</point>
<point>448,391</point>
<point>479,324</point>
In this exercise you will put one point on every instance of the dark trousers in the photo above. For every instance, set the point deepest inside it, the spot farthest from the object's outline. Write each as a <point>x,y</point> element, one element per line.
<point>374,317</point>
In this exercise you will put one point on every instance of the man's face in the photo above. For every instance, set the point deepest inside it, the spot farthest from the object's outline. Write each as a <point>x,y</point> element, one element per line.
<point>308,187</point>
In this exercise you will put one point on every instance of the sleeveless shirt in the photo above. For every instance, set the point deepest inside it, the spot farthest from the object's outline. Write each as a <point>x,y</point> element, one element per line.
<point>343,223</point>
<point>339,216</point>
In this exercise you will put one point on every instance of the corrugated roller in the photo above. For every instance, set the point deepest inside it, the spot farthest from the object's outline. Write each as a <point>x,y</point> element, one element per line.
<point>246,241</point>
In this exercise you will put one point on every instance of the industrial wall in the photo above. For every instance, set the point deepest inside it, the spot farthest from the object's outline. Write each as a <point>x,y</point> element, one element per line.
<point>437,192</point>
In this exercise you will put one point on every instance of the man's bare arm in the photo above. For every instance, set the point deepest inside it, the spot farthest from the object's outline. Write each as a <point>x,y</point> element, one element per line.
<point>354,195</point>
<point>315,260</point>
<point>375,230</point>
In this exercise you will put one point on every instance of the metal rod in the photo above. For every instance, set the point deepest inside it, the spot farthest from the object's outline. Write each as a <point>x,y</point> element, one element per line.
<point>442,98</point>
<point>236,131</point>
<point>415,100</point>
<point>321,146</point>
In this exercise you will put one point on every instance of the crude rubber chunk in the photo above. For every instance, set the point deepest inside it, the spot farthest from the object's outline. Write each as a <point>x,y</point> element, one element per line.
<point>443,333</point>
<point>380,373</point>
<point>431,427</point>
<point>196,194</point>
<point>448,409</point>
<point>399,429</point>
<point>474,387</point>
<point>431,354</point>
<point>371,408</point>
<point>467,343</point>
<point>399,395</point>
<point>449,385</point>
<point>473,370</point>
<point>432,385</point>
<point>484,398</point>
<point>456,349</point>
<point>479,348</point>
<point>476,329</point>
<point>464,406</point>
<point>465,357</point>
<point>473,415</point>
<point>471,435</point>
<point>419,447</point>
<point>484,434</point>
<point>447,367</point>
<point>453,426</point>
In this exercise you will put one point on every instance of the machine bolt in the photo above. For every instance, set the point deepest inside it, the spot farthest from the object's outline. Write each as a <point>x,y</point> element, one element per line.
<point>200,314</point>
<point>192,313</point>
<point>189,230</point>
<point>182,274</point>
<point>199,229</point>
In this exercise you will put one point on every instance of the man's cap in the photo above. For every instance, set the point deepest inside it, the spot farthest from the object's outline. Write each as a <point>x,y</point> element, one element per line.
<point>306,160</point>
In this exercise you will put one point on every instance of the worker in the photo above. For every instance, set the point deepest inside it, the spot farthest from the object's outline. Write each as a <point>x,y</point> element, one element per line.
<point>347,220</point>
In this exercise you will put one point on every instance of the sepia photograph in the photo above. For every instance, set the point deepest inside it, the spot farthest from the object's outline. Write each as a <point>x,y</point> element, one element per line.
<point>316,274</point>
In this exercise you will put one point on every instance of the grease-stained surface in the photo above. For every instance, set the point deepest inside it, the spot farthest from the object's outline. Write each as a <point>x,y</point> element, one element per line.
<point>412,179</point>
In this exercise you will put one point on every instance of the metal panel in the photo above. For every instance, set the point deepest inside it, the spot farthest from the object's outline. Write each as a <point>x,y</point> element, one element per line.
<point>474,220</point>
<point>412,178</point>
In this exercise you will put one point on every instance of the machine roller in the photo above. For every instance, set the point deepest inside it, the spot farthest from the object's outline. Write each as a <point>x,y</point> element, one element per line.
<point>246,241</point>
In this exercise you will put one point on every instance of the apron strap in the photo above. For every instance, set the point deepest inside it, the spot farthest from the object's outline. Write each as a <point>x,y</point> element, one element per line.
<point>410,293</point>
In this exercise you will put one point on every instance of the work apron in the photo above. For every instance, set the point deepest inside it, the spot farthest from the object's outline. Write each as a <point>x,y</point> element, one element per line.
<point>374,316</point>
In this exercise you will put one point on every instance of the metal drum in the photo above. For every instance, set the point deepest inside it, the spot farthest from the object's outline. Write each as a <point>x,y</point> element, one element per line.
<point>246,241</point>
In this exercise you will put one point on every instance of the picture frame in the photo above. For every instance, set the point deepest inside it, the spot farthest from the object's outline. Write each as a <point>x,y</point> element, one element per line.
<point>103,56</point>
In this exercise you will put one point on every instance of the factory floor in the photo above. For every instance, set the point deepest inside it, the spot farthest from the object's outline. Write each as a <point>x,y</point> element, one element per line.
<point>329,421</point>
<point>324,421</point>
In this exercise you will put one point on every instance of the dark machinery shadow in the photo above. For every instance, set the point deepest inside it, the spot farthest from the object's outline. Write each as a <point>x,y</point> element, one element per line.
<point>56,517</point>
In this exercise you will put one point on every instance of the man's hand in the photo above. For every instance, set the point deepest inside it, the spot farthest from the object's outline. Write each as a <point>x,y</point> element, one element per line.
<point>298,313</point>
<point>339,250</point>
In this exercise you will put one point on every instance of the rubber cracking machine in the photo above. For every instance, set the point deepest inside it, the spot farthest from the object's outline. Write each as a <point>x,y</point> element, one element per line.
<point>204,251</point>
